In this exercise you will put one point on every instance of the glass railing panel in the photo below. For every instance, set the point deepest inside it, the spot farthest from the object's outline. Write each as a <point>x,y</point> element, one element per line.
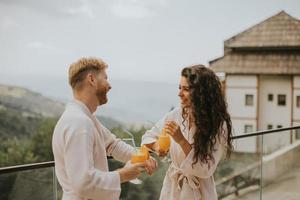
<point>239,176</point>
<point>281,166</point>
<point>150,187</point>
<point>59,191</point>
<point>33,184</point>
<point>261,167</point>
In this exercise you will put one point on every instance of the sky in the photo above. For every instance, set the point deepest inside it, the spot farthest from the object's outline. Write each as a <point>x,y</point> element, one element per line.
<point>149,40</point>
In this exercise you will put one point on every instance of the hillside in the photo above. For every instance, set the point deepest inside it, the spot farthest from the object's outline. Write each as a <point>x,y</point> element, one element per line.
<point>22,110</point>
<point>14,124</point>
<point>29,102</point>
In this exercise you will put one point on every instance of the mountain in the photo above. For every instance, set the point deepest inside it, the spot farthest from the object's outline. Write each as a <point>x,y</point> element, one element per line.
<point>14,123</point>
<point>29,102</point>
<point>22,110</point>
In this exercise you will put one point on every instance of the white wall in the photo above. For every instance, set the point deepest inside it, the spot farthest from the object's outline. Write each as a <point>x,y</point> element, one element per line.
<point>296,111</point>
<point>271,113</point>
<point>236,89</point>
<point>241,81</point>
<point>237,86</point>
<point>246,144</point>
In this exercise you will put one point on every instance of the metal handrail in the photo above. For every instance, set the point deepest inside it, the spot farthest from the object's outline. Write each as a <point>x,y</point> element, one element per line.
<point>17,168</point>
<point>257,133</point>
<point>11,169</point>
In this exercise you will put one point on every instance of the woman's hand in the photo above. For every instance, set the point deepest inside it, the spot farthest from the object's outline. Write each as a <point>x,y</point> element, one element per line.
<point>173,129</point>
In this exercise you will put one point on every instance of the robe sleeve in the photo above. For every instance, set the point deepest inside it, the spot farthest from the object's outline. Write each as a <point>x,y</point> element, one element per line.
<point>116,148</point>
<point>85,180</point>
<point>203,170</point>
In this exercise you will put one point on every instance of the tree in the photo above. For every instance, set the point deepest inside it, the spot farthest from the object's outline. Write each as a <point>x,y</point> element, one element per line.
<point>41,140</point>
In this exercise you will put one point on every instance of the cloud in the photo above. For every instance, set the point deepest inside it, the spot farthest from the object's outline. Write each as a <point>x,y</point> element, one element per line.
<point>56,8</point>
<point>84,9</point>
<point>7,22</point>
<point>137,8</point>
<point>40,45</point>
<point>72,8</point>
<point>131,11</point>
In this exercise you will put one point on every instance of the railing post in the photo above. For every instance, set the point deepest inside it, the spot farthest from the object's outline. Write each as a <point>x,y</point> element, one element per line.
<point>261,166</point>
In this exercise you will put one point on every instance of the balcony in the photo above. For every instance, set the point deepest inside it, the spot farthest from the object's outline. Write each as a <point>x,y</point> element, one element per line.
<point>269,174</point>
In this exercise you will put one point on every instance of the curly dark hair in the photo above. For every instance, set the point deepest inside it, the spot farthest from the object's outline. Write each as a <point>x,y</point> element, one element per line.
<point>209,109</point>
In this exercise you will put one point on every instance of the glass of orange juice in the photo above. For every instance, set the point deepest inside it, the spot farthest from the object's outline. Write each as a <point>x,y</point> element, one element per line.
<point>140,155</point>
<point>164,142</point>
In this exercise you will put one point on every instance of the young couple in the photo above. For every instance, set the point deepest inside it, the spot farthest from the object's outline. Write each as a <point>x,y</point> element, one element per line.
<point>200,131</point>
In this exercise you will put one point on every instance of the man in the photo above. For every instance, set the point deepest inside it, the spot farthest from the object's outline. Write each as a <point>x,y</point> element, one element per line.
<point>81,143</point>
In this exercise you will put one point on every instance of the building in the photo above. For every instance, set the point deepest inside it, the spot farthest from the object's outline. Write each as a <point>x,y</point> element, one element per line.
<point>262,80</point>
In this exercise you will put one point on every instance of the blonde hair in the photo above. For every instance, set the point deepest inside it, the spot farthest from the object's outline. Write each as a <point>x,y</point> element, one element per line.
<point>79,69</point>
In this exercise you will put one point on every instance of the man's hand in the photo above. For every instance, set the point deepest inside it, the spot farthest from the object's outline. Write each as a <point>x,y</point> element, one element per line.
<point>130,171</point>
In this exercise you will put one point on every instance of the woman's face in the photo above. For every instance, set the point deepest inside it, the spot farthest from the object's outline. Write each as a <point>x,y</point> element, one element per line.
<point>184,92</point>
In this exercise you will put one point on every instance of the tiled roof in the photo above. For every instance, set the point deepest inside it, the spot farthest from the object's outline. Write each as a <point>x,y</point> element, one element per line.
<point>281,30</point>
<point>258,63</point>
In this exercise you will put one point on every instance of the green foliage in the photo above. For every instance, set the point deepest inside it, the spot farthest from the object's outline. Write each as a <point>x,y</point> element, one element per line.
<point>16,124</point>
<point>36,147</point>
<point>42,140</point>
<point>16,152</point>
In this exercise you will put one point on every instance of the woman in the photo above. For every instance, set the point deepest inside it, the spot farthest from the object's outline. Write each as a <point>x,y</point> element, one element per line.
<point>200,133</point>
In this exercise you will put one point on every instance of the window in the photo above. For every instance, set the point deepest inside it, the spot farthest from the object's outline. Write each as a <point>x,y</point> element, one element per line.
<point>298,101</point>
<point>270,126</point>
<point>279,126</point>
<point>248,128</point>
<point>270,97</point>
<point>249,100</point>
<point>281,99</point>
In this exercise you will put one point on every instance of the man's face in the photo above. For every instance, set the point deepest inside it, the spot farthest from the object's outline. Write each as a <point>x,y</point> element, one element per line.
<point>102,87</point>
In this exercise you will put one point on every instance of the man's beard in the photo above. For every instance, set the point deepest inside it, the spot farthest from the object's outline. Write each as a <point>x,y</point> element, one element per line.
<point>101,96</point>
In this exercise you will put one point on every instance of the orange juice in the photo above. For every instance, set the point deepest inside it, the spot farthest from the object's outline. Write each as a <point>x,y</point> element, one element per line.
<point>164,141</point>
<point>139,157</point>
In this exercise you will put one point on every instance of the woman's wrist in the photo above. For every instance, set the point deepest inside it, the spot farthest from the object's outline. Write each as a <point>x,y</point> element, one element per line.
<point>182,142</point>
<point>185,145</point>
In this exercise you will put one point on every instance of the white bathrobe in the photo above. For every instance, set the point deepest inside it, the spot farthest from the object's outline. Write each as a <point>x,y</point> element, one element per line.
<point>81,145</point>
<point>182,181</point>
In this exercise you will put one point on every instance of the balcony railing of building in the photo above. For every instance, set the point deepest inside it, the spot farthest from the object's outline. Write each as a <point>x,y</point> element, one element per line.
<point>265,165</point>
